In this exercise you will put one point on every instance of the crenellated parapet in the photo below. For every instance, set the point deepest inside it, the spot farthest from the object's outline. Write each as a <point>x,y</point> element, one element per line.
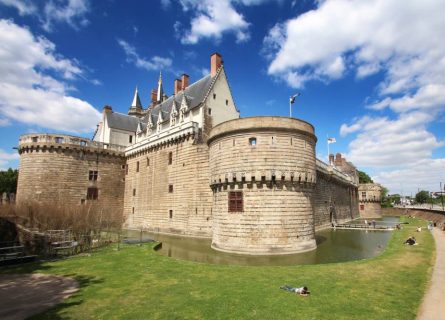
<point>44,141</point>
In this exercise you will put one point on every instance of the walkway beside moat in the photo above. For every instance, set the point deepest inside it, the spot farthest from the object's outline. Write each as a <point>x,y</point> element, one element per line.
<point>354,226</point>
<point>24,295</point>
<point>433,306</point>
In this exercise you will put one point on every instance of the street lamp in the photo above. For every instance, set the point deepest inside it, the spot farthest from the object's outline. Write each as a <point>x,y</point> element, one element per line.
<point>291,102</point>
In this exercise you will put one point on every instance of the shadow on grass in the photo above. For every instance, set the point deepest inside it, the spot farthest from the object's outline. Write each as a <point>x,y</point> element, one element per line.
<point>45,300</point>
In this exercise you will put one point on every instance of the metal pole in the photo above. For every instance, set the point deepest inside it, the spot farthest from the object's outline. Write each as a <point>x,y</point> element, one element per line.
<point>329,160</point>
<point>290,107</point>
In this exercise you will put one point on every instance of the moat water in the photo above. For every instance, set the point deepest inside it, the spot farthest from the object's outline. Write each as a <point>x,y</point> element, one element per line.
<point>332,246</point>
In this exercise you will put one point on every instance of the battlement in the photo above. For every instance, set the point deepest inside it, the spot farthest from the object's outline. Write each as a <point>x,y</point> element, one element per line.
<point>36,141</point>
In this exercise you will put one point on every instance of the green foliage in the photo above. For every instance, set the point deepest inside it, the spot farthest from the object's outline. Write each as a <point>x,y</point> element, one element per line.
<point>364,178</point>
<point>422,196</point>
<point>8,181</point>
<point>137,283</point>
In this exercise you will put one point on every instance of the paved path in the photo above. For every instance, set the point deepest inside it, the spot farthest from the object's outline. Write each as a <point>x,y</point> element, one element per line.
<point>433,306</point>
<point>23,295</point>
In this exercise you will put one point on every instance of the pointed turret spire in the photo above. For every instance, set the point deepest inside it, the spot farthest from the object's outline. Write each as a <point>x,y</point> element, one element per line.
<point>136,101</point>
<point>160,92</point>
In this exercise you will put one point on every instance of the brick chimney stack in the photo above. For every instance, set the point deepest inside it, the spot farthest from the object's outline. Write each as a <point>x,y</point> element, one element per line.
<point>338,160</point>
<point>331,159</point>
<point>107,109</point>
<point>154,96</point>
<point>178,86</point>
<point>185,81</point>
<point>215,63</point>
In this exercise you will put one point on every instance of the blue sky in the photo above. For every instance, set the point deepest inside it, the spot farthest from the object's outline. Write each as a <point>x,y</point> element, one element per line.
<point>371,73</point>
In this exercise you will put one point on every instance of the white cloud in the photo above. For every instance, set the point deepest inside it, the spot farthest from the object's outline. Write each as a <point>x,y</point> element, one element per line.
<point>7,158</point>
<point>155,63</point>
<point>24,7</point>
<point>29,94</point>
<point>165,4</point>
<point>71,12</point>
<point>213,19</point>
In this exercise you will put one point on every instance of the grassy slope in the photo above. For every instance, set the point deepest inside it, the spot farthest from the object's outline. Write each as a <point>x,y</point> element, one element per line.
<point>136,283</point>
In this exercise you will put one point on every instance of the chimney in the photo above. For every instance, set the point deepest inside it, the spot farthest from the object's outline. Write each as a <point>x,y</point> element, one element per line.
<point>107,109</point>
<point>338,159</point>
<point>185,81</point>
<point>154,96</point>
<point>215,63</point>
<point>178,86</point>
<point>331,159</point>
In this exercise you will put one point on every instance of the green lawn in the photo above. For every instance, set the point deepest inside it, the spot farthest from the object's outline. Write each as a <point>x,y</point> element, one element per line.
<point>137,283</point>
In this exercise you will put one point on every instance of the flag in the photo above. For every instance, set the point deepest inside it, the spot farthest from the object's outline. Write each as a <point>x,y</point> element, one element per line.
<point>292,98</point>
<point>331,140</point>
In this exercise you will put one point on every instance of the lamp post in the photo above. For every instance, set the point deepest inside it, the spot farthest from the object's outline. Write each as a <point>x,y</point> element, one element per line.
<point>291,102</point>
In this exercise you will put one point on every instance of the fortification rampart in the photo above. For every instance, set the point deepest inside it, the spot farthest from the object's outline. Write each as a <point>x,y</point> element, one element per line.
<point>263,175</point>
<point>67,170</point>
<point>167,190</point>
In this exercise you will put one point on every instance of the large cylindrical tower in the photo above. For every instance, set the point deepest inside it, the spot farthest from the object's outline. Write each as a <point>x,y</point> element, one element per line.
<point>262,173</point>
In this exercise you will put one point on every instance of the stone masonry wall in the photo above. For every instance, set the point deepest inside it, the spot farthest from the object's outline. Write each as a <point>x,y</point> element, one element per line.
<point>276,175</point>
<point>56,173</point>
<point>150,205</point>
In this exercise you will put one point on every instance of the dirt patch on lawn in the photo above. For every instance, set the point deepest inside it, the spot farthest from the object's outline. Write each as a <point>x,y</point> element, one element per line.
<point>24,295</point>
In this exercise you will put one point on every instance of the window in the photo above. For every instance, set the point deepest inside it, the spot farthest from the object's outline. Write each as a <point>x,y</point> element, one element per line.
<point>227,102</point>
<point>170,188</point>
<point>34,139</point>
<point>130,138</point>
<point>137,166</point>
<point>362,207</point>
<point>252,141</point>
<point>210,111</point>
<point>126,169</point>
<point>83,143</point>
<point>59,140</point>
<point>134,192</point>
<point>363,195</point>
<point>148,162</point>
<point>214,96</point>
<point>92,175</point>
<point>235,201</point>
<point>92,193</point>
<point>170,214</point>
<point>132,210</point>
<point>170,158</point>
<point>82,201</point>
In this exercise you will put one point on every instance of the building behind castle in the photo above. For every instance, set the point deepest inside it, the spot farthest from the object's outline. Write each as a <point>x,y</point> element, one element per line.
<point>188,164</point>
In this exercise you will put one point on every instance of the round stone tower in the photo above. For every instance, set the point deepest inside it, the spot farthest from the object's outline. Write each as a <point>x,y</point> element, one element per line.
<point>263,173</point>
<point>65,170</point>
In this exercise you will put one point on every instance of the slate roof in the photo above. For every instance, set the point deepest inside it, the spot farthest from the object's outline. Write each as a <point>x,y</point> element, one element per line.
<point>194,94</point>
<point>121,121</point>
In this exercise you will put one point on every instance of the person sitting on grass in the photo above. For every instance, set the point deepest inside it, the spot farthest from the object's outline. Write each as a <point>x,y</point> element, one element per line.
<point>410,241</point>
<point>303,291</point>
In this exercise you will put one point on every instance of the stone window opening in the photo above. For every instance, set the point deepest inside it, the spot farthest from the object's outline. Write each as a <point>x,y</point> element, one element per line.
<point>214,96</point>
<point>235,201</point>
<point>137,166</point>
<point>263,178</point>
<point>92,175</point>
<point>252,141</point>
<point>227,102</point>
<point>283,178</point>
<point>196,210</point>
<point>134,192</point>
<point>92,193</point>
<point>126,169</point>
<point>243,179</point>
<point>210,111</point>
<point>290,141</point>
<point>170,158</point>
<point>83,143</point>
<point>59,140</point>
<point>82,201</point>
<point>170,214</point>
<point>148,162</point>
<point>363,195</point>
<point>170,188</point>
<point>273,179</point>
<point>34,139</point>
<point>130,138</point>
<point>132,210</point>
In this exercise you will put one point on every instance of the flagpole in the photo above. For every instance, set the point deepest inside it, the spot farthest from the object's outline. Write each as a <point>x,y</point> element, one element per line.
<point>290,107</point>
<point>327,141</point>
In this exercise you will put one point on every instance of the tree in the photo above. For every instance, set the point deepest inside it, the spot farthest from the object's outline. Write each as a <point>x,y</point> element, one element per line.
<point>364,178</point>
<point>422,196</point>
<point>8,181</point>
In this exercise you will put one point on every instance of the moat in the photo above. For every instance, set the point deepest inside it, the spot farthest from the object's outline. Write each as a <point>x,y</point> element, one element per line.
<point>332,246</point>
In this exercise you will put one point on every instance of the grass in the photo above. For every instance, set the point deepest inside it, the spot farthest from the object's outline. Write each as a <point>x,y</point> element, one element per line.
<point>137,283</point>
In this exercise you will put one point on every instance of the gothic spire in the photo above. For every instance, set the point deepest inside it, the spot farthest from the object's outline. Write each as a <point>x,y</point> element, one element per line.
<point>136,101</point>
<point>160,92</point>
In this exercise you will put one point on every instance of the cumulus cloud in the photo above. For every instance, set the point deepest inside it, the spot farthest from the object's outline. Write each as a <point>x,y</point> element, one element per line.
<point>7,158</point>
<point>155,63</point>
<point>35,83</point>
<point>213,19</point>
<point>71,12</point>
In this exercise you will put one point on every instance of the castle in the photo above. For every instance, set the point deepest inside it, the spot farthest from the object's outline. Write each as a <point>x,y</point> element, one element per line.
<point>188,164</point>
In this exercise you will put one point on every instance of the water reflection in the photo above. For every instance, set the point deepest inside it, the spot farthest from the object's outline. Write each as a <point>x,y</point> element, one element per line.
<point>332,246</point>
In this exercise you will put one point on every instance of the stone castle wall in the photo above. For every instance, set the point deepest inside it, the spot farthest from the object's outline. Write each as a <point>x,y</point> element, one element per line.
<point>369,200</point>
<point>170,198</point>
<point>271,162</point>
<point>54,170</point>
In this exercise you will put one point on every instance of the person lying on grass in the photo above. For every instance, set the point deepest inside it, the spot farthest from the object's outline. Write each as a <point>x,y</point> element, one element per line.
<point>303,291</point>
<point>411,241</point>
